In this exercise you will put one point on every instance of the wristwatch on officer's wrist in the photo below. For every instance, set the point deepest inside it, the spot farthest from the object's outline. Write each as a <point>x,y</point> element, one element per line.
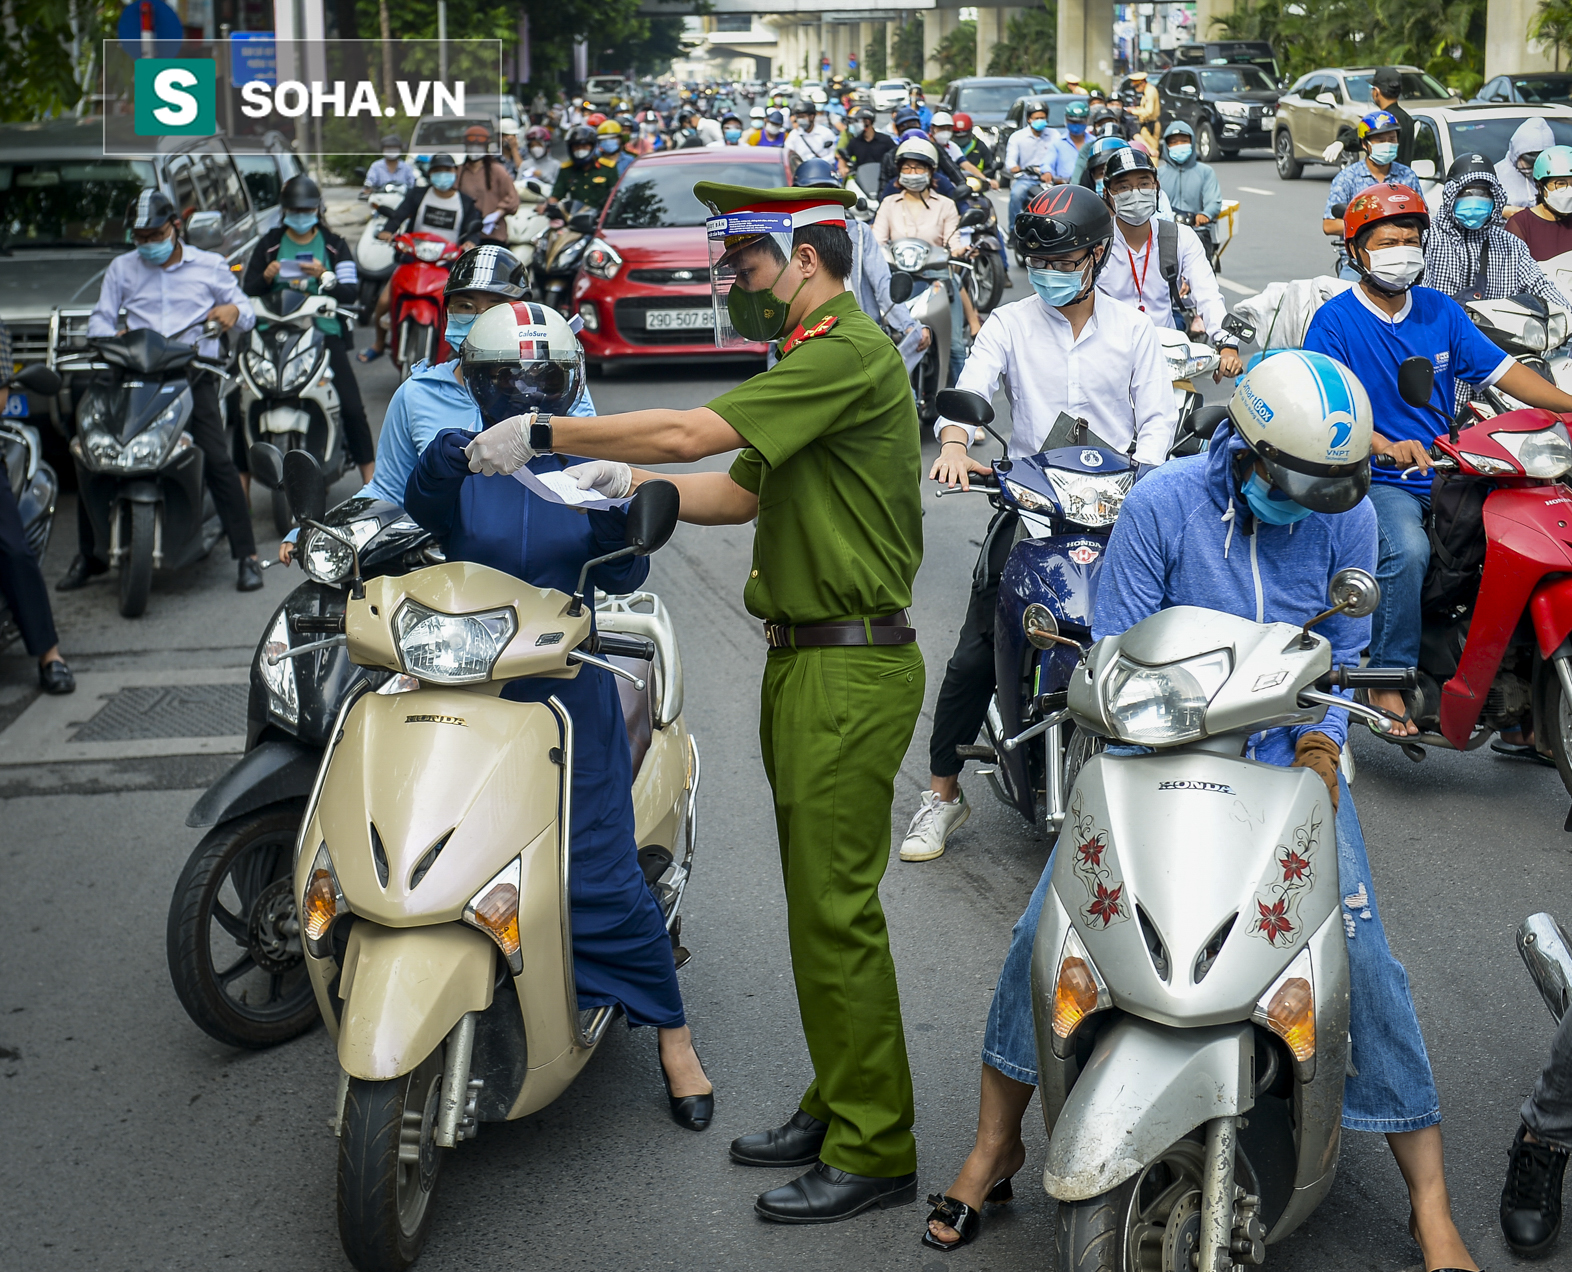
<point>540,435</point>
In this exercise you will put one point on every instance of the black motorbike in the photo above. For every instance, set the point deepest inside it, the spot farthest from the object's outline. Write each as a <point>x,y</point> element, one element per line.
<point>985,272</point>
<point>558,254</point>
<point>233,939</point>
<point>139,474</point>
<point>33,482</point>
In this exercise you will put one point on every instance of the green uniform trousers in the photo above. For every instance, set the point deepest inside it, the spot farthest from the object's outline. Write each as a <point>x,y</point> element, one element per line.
<point>834,724</point>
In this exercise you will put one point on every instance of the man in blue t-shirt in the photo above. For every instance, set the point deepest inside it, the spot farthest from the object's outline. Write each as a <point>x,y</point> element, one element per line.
<point>1372,328</point>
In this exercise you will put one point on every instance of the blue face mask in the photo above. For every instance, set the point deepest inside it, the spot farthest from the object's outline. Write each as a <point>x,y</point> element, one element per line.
<point>1056,289</point>
<point>301,222</point>
<point>1472,212</point>
<point>1076,130</point>
<point>156,253</point>
<point>1383,152</point>
<point>1038,125</point>
<point>1099,187</point>
<point>1271,506</point>
<point>732,134</point>
<point>443,180</point>
<point>458,329</point>
<point>1180,154</point>
<point>610,145</point>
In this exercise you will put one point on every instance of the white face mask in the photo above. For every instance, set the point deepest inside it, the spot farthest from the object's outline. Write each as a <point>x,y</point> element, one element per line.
<point>390,155</point>
<point>537,152</point>
<point>942,136</point>
<point>1559,201</point>
<point>1135,207</point>
<point>1397,267</point>
<point>914,181</point>
<point>472,154</point>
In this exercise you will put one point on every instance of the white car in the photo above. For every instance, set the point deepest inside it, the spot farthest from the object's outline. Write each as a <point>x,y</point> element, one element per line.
<point>814,91</point>
<point>1443,132</point>
<point>890,93</point>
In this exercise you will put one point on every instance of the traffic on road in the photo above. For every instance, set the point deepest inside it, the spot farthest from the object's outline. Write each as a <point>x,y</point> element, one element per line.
<point>792,656</point>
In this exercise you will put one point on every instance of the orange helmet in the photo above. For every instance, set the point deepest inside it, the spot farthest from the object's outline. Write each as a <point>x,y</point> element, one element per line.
<point>1382,203</point>
<point>595,120</point>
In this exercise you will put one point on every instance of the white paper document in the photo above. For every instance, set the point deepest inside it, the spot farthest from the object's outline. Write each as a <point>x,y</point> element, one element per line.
<point>910,353</point>
<point>290,268</point>
<point>560,488</point>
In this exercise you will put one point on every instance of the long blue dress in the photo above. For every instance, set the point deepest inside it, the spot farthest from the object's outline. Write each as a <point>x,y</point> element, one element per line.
<point>621,952</point>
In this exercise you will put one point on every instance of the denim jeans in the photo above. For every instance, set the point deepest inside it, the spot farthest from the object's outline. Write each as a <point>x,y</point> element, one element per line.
<point>1400,570</point>
<point>957,332</point>
<point>1022,187</point>
<point>1548,1110</point>
<point>1389,1086</point>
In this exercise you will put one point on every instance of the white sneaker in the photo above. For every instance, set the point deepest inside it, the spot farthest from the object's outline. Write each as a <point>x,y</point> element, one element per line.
<point>933,825</point>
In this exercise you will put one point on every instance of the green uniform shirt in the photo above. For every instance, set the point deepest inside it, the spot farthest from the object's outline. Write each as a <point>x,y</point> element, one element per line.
<point>590,185</point>
<point>834,457</point>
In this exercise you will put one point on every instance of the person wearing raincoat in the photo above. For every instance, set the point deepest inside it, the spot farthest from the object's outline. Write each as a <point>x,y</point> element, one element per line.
<point>1516,171</point>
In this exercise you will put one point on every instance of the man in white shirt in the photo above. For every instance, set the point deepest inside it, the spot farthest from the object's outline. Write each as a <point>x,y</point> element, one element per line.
<point>1157,265</point>
<point>809,139</point>
<point>1036,156</point>
<point>1066,349</point>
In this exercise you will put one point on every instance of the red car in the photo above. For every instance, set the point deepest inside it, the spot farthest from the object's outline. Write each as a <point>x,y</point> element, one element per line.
<point>644,288</point>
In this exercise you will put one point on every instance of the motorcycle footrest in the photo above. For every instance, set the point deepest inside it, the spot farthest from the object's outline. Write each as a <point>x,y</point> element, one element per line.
<point>984,753</point>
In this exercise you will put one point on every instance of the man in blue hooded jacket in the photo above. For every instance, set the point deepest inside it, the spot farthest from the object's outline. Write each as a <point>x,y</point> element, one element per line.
<point>1255,527</point>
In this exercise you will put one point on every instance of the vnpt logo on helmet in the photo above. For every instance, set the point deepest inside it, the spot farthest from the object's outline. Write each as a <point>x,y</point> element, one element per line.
<point>175,97</point>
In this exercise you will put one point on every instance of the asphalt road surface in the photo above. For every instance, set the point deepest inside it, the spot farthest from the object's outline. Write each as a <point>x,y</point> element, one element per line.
<point>131,1141</point>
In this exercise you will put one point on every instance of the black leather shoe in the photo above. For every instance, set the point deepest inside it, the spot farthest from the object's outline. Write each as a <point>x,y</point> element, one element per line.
<point>81,569</point>
<point>1531,1200</point>
<point>55,677</point>
<point>828,1195</point>
<point>250,575</point>
<point>692,1111</point>
<point>795,1144</point>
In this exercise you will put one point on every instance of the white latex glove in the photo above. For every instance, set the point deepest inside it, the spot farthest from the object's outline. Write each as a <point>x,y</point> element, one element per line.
<point>606,477</point>
<point>502,448</point>
<point>1331,153</point>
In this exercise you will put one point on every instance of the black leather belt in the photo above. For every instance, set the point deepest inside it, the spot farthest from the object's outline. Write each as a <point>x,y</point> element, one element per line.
<point>892,629</point>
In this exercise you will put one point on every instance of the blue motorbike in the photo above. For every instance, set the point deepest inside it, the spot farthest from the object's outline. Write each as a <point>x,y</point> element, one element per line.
<point>1066,499</point>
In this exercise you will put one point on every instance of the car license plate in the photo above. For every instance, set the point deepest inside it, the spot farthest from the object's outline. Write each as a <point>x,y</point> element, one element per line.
<point>16,407</point>
<point>679,319</point>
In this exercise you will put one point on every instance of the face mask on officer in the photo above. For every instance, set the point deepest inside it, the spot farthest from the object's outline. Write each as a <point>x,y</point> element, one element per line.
<point>581,153</point>
<point>444,179</point>
<point>1471,211</point>
<point>1181,152</point>
<point>761,314</point>
<point>158,251</point>
<point>1135,207</point>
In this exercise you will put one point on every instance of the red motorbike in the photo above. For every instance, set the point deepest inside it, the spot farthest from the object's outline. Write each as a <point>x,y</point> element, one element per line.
<point>1489,661</point>
<point>415,311</point>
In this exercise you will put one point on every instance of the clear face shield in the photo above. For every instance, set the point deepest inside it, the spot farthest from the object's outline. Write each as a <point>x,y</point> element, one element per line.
<point>751,283</point>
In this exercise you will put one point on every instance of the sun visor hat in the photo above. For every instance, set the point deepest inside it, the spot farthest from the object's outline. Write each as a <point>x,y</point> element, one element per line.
<point>522,357</point>
<point>750,239</point>
<point>1307,417</point>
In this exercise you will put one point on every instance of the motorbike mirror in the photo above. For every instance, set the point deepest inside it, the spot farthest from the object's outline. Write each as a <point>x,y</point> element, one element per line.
<point>304,485</point>
<point>266,462</point>
<point>900,287</point>
<point>1237,327</point>
<point>583,221</point>
<point>974,216</point>
<point>1354,592</point>
<point>39,379</point>
<point>1534,304</point>
<point>652,516</point>
<point>1416,381</point>
<point>964,406</point>
<point>1337,210</point>
<point>205,230</point>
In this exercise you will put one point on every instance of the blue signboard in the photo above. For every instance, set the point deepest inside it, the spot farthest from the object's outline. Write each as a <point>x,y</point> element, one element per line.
<point>253,57</point>
<point>167,29</point>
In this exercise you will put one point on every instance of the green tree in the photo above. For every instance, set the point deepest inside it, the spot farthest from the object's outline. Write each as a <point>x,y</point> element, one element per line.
<point>49,59</point>
<point>1030,44</point>
<point>908,50</point>
<point>957,51</point>
<point>873,62</point>
<point>1553,25</point>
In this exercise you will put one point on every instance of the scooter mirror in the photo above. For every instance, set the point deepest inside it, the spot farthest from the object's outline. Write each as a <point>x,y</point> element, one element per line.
<point>1416,380</point>
<point>305,486</point>
<point>39,379</point>
<point>964,406</point>
<point>974,216</point>
<point>900,287</point>
<point>266,462</point>
<point>1355,592</point>
<point>652,516</point>
<point>583,221</point>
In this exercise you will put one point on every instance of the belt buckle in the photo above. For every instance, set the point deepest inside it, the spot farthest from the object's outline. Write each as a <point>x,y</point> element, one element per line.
<point>775,635</point>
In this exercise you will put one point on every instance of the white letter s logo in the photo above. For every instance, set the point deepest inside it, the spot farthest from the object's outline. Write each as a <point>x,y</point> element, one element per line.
<point>169,86</point>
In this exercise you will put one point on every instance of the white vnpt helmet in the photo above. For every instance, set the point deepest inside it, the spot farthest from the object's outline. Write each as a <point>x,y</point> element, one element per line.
<point>522,357</point>
<point>1308,418</point>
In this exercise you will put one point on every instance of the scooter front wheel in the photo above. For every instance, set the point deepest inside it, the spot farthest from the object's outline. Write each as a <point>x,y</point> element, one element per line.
<point>387,1167</point>
<point>1151,1221</point>
<point>136,566</point>
<point>1557,718</point>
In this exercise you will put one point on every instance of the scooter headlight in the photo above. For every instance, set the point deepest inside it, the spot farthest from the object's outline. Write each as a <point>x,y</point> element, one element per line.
<point>910,255</point>
<point>283,695</point>
<point>1027,497</point>
<point>261,369</point>
<point>451,649</point>
<point>329,560</point>
<point>322,902</point>
<point>428,250</point>
<point>495,911</point>
<point>298,369</point>
<point>1153,706</point>
<point>1546,453</point>
<point>1090,501</point>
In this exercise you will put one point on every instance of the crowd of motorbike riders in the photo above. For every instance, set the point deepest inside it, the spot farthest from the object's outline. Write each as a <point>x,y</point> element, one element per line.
<point>1277,498</point>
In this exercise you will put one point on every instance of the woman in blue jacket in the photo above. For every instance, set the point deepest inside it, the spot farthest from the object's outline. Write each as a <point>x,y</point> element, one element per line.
<point>518,358</point>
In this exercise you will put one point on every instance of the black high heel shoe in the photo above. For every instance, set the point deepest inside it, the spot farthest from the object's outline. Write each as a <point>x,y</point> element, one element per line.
<point>692,1111</point>
<point>966,1221</point>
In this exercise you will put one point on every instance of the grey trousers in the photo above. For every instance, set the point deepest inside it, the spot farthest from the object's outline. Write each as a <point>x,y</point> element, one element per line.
<point>1547,1111</point>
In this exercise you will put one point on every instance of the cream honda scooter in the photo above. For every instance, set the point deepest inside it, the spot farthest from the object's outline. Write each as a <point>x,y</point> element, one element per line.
<point>432,868</point>
<point>1190,973</point>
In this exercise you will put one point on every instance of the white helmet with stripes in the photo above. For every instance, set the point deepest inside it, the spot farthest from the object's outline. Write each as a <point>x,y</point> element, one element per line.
<point>522,357</point>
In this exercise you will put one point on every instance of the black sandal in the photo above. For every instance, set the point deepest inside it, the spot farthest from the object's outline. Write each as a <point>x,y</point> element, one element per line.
<point>966,1221</point>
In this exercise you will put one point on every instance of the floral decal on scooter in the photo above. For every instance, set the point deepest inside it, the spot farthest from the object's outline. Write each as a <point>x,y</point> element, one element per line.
<point>1277,912</point>
<point>1105,903</point>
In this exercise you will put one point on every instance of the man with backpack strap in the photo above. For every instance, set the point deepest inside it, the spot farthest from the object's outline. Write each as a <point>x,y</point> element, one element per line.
<point>1156,265</point>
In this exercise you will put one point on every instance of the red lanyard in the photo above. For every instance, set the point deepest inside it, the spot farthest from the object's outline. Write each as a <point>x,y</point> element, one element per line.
<point>1140,283</point>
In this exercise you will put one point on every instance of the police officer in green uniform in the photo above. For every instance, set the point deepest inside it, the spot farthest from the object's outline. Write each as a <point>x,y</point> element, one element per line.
<point>830,467</point>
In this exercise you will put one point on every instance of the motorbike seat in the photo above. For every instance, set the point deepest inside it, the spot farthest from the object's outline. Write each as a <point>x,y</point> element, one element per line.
<point>638,708</point>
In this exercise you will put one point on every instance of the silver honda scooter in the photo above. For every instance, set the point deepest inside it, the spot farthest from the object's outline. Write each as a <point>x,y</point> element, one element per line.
<point>1190,977</point>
